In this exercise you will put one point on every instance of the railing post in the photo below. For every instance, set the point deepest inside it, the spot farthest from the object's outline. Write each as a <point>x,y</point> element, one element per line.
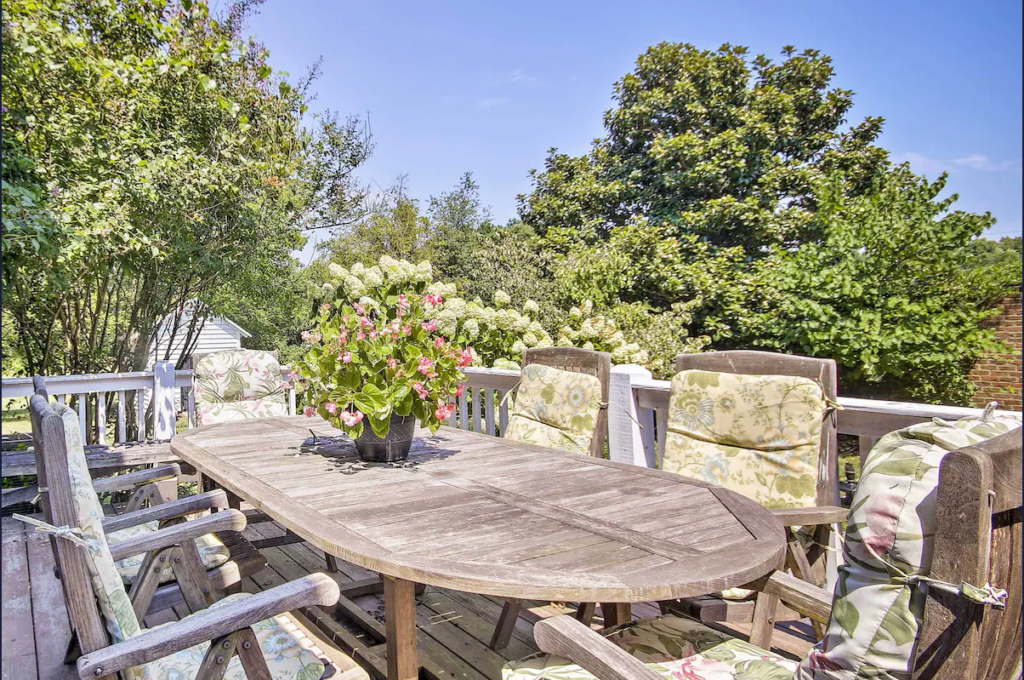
<point>627,443</point>
<point>163,400</point>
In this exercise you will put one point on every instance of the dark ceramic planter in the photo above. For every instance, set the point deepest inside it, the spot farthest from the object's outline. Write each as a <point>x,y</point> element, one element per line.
<point>392,448</point>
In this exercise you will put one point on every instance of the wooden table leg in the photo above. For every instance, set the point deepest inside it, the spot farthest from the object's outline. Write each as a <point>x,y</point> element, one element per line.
<point>615,613</point>
<point>585,613</point>
<point>506,623</point>
<point>400,627</point>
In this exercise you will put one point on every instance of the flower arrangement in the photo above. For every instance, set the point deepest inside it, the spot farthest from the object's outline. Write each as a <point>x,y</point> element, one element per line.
<point>377,350</point>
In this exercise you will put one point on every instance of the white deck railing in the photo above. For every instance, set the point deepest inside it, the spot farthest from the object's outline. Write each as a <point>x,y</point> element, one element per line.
<point>637,412</point>
<point>123,391</point>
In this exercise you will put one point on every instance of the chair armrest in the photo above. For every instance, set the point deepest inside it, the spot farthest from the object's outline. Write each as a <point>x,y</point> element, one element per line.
<point>226,520</point>
<point>795,517</point>
<point>804,597</point>
<point>566,637</point>
<point>137,478</point>
<point>208,624</point>
<point>183,506</point>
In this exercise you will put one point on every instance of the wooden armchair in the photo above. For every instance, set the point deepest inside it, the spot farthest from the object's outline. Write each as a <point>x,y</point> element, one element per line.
<point>977,541</point>
<point>107,619</point>
<point>574,360</point>
<point>806,563</point>
<point>154,503</point>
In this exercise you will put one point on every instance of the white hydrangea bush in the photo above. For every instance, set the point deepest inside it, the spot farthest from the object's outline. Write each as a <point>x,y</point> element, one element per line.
<point>498,335</point>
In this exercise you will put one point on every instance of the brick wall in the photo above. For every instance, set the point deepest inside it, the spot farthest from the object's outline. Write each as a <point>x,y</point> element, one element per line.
<point>998,376</point>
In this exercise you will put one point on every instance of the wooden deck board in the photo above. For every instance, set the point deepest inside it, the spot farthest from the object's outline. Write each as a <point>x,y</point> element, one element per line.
<point>453,628</point>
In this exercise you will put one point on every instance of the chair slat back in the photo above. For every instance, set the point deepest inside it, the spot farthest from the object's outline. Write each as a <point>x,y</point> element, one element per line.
<point>977,540</point>
<point>749,362</point>
<point>51,445</point>
<point>588,362</point>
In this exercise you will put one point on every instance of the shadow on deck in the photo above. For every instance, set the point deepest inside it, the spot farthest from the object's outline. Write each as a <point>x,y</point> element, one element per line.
<point>454,628</point>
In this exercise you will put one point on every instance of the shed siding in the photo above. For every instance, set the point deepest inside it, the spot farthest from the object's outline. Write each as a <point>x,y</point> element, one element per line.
<point>215,335</point>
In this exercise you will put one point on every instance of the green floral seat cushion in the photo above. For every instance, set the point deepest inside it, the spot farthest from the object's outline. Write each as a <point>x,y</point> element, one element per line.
<point>107,585</point>
<point>555,408</point>
<point>212,551</point>
<point>674,647</point>
<point>279,638</point>
<point>875,615</point>
<point>758,435</point>
<point>238,384</point>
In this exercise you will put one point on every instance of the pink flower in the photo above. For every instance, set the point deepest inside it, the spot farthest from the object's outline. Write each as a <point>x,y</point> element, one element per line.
<point>373,333</point>
<point>420,390</point>
<point>425,364</point>
<point>351,419</point>
<point>401,312</point>
<point>365,322</point>
<point>309,411</point>
<point>459,390</point>
<point>399,373</point>
<point>346,358</point>
<point>392,363</point>
<point>403,302</point>
<point>360,336</point>
<point>444,411</point>
<point>465,357</point>
<point>439,342</point>
<point>324,307</point>
<point>331,408</point>
<point>286,385</point>
<point>406,330</point>
<point>429,326</point>
<point>360,310</point>
<point>702,669</point>
<point>433,300</point>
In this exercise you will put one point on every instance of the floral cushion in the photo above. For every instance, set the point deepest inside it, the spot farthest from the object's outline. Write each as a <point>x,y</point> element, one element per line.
<point>674,647</point>
<point>211,550</point>
<point>278,637</point>
<point>875,614</point>
<point>555,408</point>
<point>106,581</point>
<point>758,435</point>
<point>238,384</point>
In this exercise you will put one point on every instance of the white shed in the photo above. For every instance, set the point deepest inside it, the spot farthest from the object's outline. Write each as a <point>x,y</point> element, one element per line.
<point>217,333</point>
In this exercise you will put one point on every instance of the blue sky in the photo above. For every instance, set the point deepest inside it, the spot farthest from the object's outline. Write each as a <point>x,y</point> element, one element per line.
<point>490,86</point>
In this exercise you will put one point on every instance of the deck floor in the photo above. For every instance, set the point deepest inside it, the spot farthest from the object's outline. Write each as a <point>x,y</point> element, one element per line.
<point>454,628</point>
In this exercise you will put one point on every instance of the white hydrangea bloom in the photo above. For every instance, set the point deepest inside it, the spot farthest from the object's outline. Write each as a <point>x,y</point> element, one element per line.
<point>544,341</point>
<point>506,319</point>
<point>447,323</point>
<point>336,271</point>
<point>457,305</point>
<point>617,339</point>
<point>536,328</point>
<point>530,340</point>
<point>621,355</point>
<point>588,345</point>
<point>522,324</point>
<point>354,285</point>
<point>564,341</point>
<point>518,347</point>
<point>471,328</point>
<point>374,277</point>
<point>502,299</point>
<point>587,308</point>
<point>506,364</point>
<point>424,272</point>
<point>391,268</point>
<point>587,330</point>
<point>367,302</point>
<point>358,269</point>
<point>575,314</point>
<point>327,288</point>
<point>531,307</point>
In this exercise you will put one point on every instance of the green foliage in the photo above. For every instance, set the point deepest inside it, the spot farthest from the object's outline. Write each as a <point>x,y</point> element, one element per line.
<point>171,160</point>
<point>726,206</point>
<point>889,294</point>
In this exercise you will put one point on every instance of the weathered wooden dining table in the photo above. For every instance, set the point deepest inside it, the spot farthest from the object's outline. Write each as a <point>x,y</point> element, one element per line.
<point>480,514</point>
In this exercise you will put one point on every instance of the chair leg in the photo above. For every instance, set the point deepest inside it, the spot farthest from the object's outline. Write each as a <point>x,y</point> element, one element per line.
<point>506,624</point>
<point>332,563</point>
<point>616,614</point>
<point>585,613</point>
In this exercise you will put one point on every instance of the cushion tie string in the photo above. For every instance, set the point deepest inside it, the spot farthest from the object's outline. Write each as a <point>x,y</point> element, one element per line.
<point>72,534</point>
<point>987,594</point>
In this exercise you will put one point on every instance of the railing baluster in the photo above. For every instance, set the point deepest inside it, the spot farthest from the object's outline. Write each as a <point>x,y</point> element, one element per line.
<point>191,407</point>
<point>121,416</point>
<point>476,409</point>
<point>464,410</point>
<point>661,424</point>
<point>140,413</point>
<point>291,400</point>
<point>61,399</point>
<point>101,418</point>
<point>81,417</point>
<point>489,410</point>
<point>503,410</point>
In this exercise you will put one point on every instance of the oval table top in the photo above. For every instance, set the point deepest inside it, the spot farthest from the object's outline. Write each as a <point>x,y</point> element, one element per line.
<point>480,514</point>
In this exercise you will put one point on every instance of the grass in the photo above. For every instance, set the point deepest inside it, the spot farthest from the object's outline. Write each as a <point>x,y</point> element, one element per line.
<point>16,421</point>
